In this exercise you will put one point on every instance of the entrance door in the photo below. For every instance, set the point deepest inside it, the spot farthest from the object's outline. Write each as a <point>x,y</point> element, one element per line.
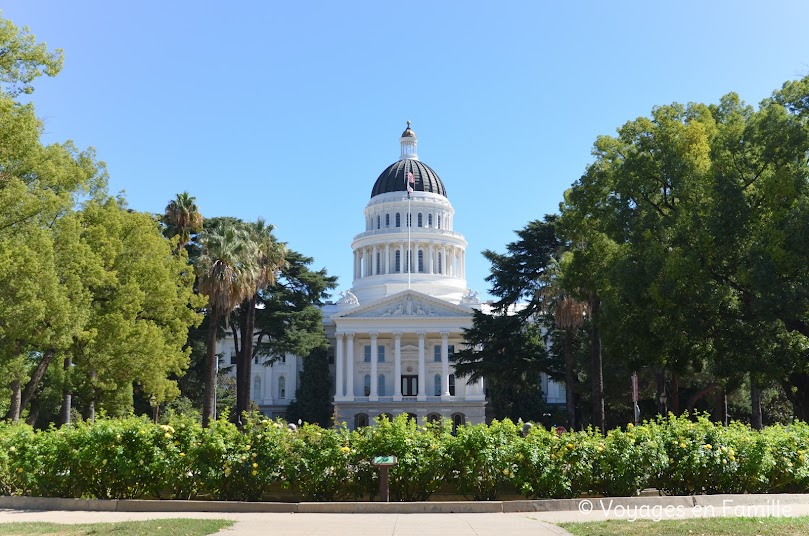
<point>410,385</point>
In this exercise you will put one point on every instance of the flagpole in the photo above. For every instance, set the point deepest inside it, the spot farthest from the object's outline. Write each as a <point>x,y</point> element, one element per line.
<point>409,223</point>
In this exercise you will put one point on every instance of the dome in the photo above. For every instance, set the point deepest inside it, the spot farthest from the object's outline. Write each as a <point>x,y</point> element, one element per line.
<point>393,179</point>
<point>408,133</point>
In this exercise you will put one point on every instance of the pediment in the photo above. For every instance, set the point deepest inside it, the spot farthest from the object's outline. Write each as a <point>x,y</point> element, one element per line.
<point>408,304</point>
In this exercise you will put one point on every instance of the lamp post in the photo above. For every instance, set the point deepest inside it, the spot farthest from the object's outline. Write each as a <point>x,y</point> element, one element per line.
<point>663,408</point>
<point>155,407</point>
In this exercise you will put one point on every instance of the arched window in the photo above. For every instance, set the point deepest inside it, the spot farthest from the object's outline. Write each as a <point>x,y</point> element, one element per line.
<point>421,261</point>
<point>409,262</point>
<point>282,387</point>
<point>378,262</point>
<point>452,384</point>
<point>429,220</point>
<point>438,225</point>
<point>458,419</point>
<point>418,220</point>
<point>437,380</point>
<point>434,417</point>
<point>411,416</point>
<point>367,385</point>
<point>409,220</point>
<point>439,263</point>
<point>379,222</point>
<point>381,385</point>
<point>257,388</point>
<point>398,220</point>
<point>360,420</point>
<point>387,224</point>
<point>398,262</point>
<point>387,416</point>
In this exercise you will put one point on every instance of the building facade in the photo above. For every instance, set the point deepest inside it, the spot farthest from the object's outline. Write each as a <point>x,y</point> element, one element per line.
<point>393,333</point>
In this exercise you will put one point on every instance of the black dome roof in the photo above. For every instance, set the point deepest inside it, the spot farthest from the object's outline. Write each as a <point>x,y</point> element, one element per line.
<point>393,179</point>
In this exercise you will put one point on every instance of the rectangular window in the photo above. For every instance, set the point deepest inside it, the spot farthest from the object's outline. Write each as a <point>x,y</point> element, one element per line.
<point>367,354</point>
<point>381,354</point>
<point>450,349</point>
<point>437,353</point>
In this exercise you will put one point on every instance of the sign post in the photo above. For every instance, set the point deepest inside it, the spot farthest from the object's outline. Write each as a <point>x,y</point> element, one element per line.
<point>383,462</point>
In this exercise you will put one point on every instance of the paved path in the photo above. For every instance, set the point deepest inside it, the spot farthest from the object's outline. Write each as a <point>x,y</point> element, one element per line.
<point>522,524</point>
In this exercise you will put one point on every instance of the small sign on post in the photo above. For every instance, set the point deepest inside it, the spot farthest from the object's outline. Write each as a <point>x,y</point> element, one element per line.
<point>383,462</point>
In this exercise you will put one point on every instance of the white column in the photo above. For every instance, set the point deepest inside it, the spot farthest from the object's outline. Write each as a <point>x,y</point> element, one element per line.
<point>386,267</point>
<point>374,358</point>
<point>430,256</point>
<point>397,367</point>
<point>339,392</point>
<point>422,387</point>
<point>444,366</point>
<point>350,368</point>
<point>402,259</point>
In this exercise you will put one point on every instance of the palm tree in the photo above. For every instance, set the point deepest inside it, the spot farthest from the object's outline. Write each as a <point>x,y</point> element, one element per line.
<point>568,314</point>
<point>270,259</point>
<point>182,218</point>
<point>227,273</point>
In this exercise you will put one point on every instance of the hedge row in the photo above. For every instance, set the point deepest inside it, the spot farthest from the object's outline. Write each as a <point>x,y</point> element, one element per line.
<point>133,458</point>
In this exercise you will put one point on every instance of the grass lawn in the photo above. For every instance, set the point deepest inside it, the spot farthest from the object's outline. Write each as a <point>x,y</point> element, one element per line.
<point>169,527</point>
<point>717,526</point>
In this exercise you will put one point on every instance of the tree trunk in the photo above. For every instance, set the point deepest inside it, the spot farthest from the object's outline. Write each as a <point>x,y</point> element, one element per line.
<point>33,413</point>
<point>16,398</point>
<point>36,377</point>
<point>675,393</point>
<point>244,362</point>
<point>570,381</point>
<point>92,408</point>
<point>208,401</point>
<point>67,395</point>
<point>661,391</point>
<point>799,398</point>
<point>596,366</point>
<point>755,401</point>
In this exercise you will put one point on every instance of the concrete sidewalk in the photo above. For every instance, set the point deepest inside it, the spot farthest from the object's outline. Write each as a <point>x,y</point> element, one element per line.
<point>288,524</point>
<point>405,519</point>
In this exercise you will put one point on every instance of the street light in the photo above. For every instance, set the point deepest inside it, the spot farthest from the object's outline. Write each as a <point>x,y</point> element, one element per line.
<point>155,407</point>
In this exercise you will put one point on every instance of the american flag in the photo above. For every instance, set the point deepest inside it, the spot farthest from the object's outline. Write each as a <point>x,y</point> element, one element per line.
<point>411,182</point>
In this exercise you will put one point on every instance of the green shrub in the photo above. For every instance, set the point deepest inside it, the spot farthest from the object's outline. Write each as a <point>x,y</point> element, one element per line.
<point>421,451</point>
<point>482,458</point>
<point>322,463</point>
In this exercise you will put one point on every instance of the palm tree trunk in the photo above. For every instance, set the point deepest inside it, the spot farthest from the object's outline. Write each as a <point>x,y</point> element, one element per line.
<point>570,381</point>
<point>596,368</point>
<point>245,358</point>
<point>210,369</point>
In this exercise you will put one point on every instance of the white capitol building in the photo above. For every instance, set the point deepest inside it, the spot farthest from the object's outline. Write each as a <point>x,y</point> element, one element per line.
<point>393,333</point>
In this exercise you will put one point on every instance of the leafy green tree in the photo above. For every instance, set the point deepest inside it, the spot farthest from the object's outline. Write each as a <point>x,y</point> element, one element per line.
<point>696,215</point>
<point>508,347</point>
<point>313,395</point>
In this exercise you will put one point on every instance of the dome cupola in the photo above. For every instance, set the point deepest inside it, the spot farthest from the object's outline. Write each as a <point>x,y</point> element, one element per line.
<point>394,178</point>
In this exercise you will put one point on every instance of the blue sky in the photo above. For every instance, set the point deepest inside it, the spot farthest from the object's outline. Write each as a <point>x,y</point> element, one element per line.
<point>290,110</point>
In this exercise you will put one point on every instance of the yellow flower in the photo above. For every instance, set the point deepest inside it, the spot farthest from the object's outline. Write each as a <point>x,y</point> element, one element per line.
<point>724,461</point>
<point>505,472</point>
<point>12,449</point>
<point>630,425</point>
<point>103,462</point>
<point>182,454</point>
<point>19,469</point>
<point>601,448</point>
<point>730,451</point>
<point>255,465</point>
<point>570,446</point>
<point>345,450</point>
<point>682,445</point>
<point>708,446</point>
<point>167,435</point>
<point>254,473</point>
<point>732,458</point>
